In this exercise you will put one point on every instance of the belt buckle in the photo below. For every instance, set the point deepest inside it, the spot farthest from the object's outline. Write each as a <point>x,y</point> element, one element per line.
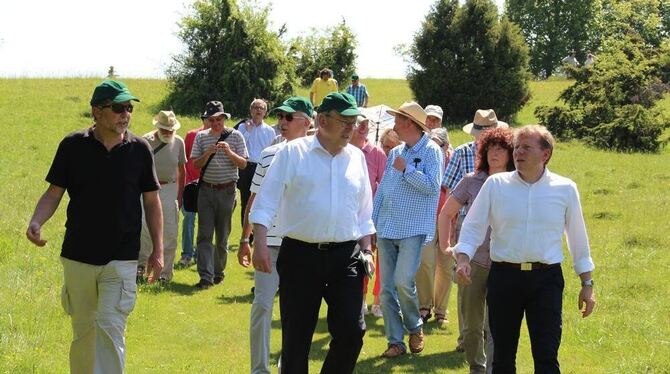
<point>526,266</point>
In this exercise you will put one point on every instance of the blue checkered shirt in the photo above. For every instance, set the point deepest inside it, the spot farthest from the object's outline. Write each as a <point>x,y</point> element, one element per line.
<point>461,163</point>
<point>360,93</point>
<point>406,203</point>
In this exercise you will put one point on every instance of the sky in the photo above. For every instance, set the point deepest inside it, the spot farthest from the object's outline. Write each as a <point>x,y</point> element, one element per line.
<point>82,38</point>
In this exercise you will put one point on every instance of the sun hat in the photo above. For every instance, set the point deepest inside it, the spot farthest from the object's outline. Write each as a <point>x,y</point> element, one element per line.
<point>435,111</point>
<point>213,109</point>
<point>113,90</point>
<point>412,111</point>
<point>166,119</point>
<point>484,119</point>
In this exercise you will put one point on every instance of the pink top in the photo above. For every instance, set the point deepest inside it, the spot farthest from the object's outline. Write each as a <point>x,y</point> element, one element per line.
<point>376,161</point>
<point>192,173</point>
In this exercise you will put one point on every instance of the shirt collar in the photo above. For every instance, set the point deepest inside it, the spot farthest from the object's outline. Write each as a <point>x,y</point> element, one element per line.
<point>419,145</point>
<point>543,178</point>
<point>367,148</point>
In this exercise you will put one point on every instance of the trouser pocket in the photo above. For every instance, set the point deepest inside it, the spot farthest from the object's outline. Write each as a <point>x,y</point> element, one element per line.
<point>128,297</point>
<point>65,301</point>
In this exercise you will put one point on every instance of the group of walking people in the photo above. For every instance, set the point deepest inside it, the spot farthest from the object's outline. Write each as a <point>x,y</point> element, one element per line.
<point>320,215</point>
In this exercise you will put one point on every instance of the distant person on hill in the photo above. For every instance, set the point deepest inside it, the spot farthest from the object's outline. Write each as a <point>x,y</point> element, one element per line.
<point>105,170</point>
<point>570,59</point>
<point>359,91</point>
<point>528,210</point>
<point>169,160</point>
<point>322,86</point>
<point>590,59</point>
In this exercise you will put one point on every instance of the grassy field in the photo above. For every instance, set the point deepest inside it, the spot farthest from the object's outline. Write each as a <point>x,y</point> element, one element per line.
<point>175,330</point>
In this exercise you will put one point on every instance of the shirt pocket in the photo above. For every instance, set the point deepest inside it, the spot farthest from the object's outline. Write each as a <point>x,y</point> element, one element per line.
<point>128,297</point>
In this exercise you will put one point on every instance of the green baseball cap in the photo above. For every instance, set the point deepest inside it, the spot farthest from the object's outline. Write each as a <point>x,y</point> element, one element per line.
<point>355,76</point>
<point>296,104</point>
<point>110,89</point>
<point>343,103</point>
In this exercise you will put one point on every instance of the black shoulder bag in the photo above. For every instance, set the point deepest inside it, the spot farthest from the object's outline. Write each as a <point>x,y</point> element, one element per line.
<point>190,195</point>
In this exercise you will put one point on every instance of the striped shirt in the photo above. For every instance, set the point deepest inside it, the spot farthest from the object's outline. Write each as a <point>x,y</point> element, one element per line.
<point>360,92</point>
<point>266,158</point>
<point>406,202</point>
<point>462,162</point>
<point>221,169</point>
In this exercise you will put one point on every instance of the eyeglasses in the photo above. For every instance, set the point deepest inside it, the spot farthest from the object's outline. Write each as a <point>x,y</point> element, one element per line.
<point>289,116</point>
<point>119,108</point>
<point>343,122</point>
<point>258,107</point>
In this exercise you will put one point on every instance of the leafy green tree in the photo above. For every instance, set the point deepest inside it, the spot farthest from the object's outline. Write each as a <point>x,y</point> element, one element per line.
<point>552,28</point>
<point>650,19</point>
<point>332,48</point>
<point>464,58</point>
<point>612,104</point>
<point>231,56</point>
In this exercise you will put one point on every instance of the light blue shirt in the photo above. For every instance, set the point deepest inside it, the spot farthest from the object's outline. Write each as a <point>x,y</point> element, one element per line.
<point>406,203</point>
<point>257,139</point>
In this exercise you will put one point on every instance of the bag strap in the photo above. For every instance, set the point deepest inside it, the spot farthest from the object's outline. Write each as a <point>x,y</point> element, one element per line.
<point>223,137</point>
<point>159,147</point>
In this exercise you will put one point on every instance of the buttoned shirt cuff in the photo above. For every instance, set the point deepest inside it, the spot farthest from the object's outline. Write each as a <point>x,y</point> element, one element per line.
<point>465,249</point>
<point>260,218</point>
<point>584,265</point>
<point>409,168</point>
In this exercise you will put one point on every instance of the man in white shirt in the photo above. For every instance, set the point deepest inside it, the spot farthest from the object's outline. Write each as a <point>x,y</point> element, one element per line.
<point>319,188</point>
<point>294,119</point>
<point>528,210</point>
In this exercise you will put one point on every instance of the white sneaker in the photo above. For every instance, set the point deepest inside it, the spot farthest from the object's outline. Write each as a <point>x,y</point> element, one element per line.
<point>377,311</point>
<point>364,310</point>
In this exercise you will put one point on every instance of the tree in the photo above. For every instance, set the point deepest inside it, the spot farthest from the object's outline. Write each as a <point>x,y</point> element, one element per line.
<point>230,56</point>
<point>333,48</point>
<point>649,19</point>
<point>612,104</point>
<point>464,59</point>
<point>552,28</point>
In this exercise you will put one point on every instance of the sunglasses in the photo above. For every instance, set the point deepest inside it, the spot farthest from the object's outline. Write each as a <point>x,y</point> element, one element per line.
<point>119,108</point>
<point>289,116</point>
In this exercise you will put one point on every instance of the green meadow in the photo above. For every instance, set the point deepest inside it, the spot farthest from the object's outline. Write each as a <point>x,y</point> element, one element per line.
<point>177,330</point>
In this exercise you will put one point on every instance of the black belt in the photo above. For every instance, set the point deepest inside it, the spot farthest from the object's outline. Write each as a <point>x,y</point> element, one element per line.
<point>527,266</point>
<point>321,246</point>
<point>219,186</point>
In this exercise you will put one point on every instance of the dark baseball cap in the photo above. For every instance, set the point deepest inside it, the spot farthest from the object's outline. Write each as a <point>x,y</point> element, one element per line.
<point>354,77</point>
<point>113,90</point>
<point>342,103</point>
<point>296,104</point>
<point>213,109</point>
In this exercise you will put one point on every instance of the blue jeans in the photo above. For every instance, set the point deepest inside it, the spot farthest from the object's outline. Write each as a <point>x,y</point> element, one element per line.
<point>399,261</point>
<point>187,233</point>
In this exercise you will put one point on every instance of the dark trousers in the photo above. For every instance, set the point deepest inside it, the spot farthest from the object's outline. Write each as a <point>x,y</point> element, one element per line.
<point>306,275</point>
<point>538,294</point>
<point>244,184</point>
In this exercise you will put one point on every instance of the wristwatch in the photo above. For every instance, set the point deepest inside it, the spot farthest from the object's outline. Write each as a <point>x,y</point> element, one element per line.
<point>587,283</point>
<point>245,240</point>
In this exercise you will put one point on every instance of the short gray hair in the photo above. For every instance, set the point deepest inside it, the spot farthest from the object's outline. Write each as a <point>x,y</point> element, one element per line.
<point>440,134</point>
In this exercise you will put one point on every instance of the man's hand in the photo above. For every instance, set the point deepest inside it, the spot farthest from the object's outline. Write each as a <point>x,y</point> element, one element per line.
<point>587,301</point>
<point>261,258</point>
<point>370,263</point>
<point>244,255</point>
<point>449,251</point>
<point>154,266</point>
<point>34,232</point>
<point>224,147</point>
<point>463,269</point>
<point>399,164</point>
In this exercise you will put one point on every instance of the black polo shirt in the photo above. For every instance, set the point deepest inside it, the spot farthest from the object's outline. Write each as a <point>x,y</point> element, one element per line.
<point>104,216</point>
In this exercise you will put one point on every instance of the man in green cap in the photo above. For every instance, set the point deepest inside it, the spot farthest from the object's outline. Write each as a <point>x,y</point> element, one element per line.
<point>104,169</point>
<point>319,189</point>
<point>294,120</point>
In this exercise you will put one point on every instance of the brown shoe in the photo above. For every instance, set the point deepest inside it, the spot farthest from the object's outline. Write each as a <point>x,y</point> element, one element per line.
<point>393,351</point>
<point>416,342</point>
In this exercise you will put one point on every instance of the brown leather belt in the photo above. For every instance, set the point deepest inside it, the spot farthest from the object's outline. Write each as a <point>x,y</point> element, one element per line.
<point>527,266</point>
<point>219,186</point>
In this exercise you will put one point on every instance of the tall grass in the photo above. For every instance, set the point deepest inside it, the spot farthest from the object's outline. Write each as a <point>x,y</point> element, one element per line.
<point>175,330</point>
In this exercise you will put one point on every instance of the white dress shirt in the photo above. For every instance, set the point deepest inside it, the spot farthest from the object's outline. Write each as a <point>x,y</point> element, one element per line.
<point>317,197</point>
<point>527,221</point>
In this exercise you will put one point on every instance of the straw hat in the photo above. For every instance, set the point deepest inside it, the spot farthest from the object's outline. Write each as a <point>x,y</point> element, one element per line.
<point>165,119</point>
<point>484,119</point>
<point>412,111</point>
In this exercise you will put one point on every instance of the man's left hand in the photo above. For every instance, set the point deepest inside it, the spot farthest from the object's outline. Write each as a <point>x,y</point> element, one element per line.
<point>154,266</point>
<point>587,301</point>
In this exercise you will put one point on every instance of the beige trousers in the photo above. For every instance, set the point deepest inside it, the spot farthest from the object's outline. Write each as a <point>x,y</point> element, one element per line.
<point>433,279</point>
<point>98,299</point>
<point>477,339</point>
<point>168,196</point>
